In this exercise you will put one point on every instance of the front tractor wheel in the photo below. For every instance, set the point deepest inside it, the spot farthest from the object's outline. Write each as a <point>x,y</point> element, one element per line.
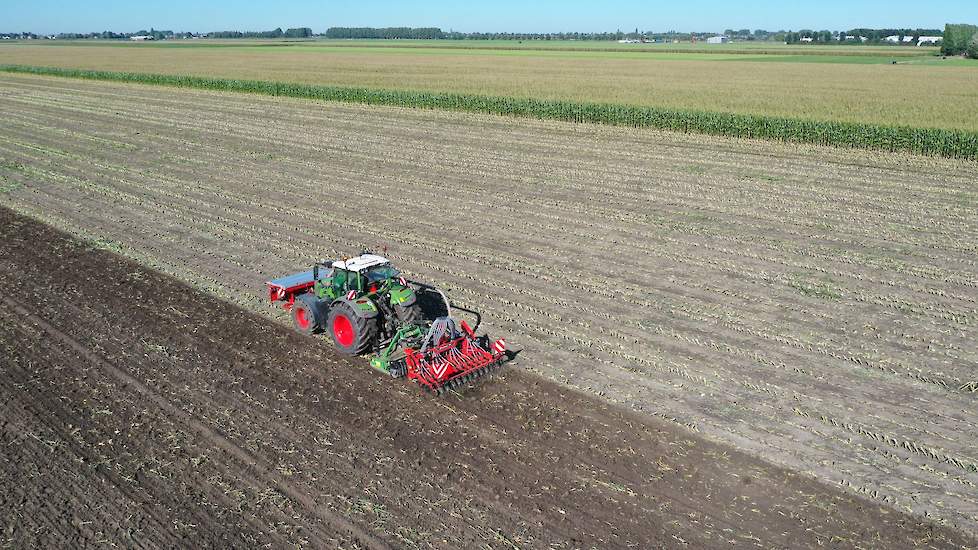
<point>352,334</point>
<point>408,315</point>
<point>305,317</point>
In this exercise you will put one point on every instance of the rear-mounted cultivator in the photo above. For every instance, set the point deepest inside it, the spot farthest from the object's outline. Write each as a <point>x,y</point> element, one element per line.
<point>366,305</point>
<point>451,357</point>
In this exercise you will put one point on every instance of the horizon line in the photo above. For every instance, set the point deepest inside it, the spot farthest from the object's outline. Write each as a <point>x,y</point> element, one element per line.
<point>632,31</point>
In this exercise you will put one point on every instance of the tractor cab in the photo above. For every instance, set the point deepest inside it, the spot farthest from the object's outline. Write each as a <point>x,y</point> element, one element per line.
<point>367,273</point>
<point>360,274</point>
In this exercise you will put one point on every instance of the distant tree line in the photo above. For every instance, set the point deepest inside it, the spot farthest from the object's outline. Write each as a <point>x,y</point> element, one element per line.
<point>301,32</point>
<point>872,36</point>
<point>432,33</point>
<point>157,35</point>
<point>385,33</point>
<point>580,36</point>
<point>105,35</point>
<point>869,36</point>
<point>960,39</point>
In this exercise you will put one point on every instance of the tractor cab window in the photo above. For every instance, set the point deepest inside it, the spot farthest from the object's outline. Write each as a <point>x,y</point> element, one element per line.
<point>344,280</point>
<point>341,279</point>
<point>380,273</point>
<point>325,273</point>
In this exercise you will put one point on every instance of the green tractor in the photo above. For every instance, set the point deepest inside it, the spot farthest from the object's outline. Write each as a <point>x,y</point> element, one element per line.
<point>367,306</point>
<point>358,301</point>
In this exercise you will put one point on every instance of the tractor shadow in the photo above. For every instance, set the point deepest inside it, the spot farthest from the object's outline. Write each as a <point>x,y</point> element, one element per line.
<point>433,306</point>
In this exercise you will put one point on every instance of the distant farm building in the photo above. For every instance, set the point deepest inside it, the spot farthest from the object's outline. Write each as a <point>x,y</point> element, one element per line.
<point>896,39</point>
<point>930,40</point>
<point>717,40</point>
<point>140,38</point>
<point>807,39</point>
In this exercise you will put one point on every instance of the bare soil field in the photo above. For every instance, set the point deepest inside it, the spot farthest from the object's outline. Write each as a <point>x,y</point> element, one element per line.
<point>810,306</point>
<point>140,412</point>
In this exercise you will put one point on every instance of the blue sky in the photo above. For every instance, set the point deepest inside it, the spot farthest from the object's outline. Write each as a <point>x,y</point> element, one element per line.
<point>51,16</point>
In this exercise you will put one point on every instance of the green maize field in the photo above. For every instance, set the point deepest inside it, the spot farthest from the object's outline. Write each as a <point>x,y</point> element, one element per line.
<point>927,141</point>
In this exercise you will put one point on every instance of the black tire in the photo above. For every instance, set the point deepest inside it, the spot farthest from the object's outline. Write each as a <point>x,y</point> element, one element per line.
<point>353,336</point>
<point>408,315</point>
<point>306,315</point>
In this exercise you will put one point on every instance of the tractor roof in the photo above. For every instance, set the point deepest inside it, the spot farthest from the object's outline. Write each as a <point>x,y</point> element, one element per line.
<point>360,263</point>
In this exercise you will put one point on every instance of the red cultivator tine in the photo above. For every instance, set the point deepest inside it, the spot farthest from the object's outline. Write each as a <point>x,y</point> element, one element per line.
<point>453,362</point>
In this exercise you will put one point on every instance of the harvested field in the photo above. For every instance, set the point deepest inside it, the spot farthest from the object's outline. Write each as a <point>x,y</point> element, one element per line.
<point>810,306</point>
<point>157,423</point>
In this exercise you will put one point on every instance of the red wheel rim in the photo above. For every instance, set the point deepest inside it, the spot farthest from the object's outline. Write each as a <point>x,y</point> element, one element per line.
<point>300,318</point>
<point>343,331</point>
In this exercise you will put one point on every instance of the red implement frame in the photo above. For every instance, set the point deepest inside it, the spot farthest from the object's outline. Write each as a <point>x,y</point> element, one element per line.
<point>287,288</point>
<point>453,362</point>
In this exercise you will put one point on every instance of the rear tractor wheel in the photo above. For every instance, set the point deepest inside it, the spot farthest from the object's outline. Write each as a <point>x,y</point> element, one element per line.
<point>351,333</point>
<point>306,315</point>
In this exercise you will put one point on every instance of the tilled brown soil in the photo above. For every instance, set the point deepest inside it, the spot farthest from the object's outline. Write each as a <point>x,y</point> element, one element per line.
<point>138,411</point>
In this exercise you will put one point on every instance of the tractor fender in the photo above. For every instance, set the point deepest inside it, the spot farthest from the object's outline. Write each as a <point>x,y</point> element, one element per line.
<point>363,307</point>
<point>404,296</point>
